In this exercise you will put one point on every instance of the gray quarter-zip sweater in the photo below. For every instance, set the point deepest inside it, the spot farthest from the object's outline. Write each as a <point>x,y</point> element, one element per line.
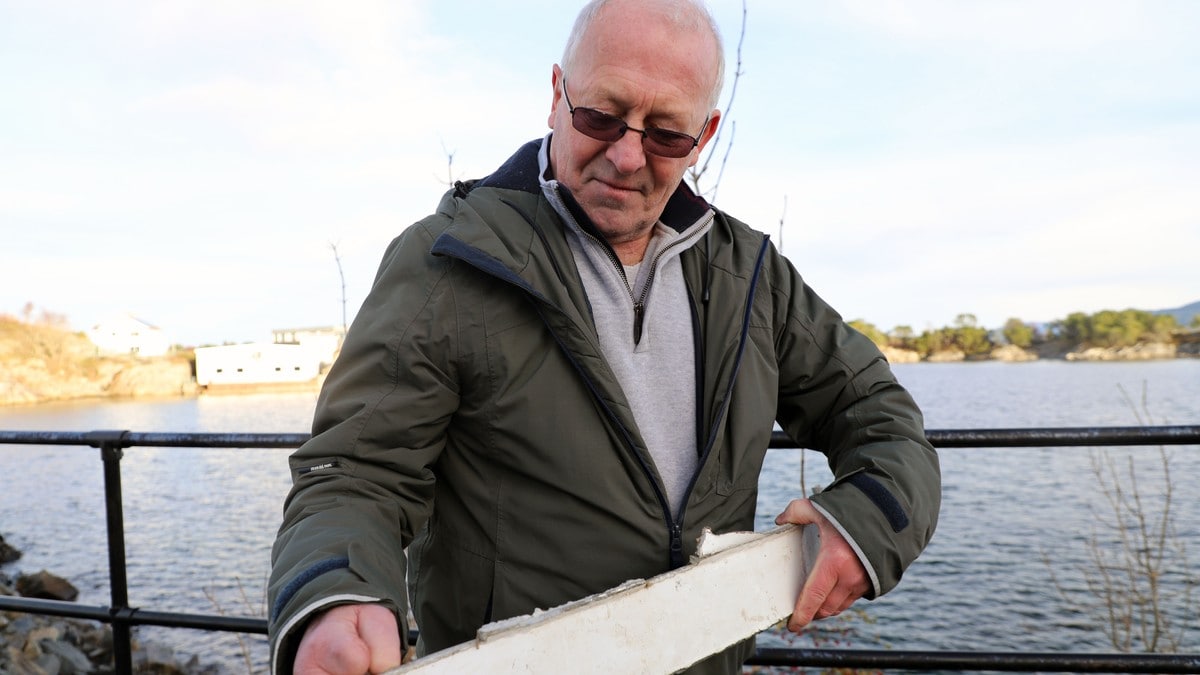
<point>645,328</point>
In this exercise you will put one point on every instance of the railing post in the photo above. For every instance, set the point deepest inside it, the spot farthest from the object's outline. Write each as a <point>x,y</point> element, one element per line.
<point>112,445</point>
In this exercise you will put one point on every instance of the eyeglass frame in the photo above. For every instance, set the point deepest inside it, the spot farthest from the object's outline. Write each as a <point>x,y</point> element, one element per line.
<point>624,127</point>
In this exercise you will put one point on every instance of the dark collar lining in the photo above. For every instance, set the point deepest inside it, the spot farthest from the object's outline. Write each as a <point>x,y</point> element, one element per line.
<point>520,172</point>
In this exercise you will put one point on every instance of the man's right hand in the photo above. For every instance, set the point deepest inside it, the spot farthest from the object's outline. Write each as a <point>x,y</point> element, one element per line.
<point>349,640</point>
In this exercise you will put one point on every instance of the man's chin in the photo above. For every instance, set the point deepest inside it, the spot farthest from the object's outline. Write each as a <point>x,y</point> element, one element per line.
<point>620,229</point>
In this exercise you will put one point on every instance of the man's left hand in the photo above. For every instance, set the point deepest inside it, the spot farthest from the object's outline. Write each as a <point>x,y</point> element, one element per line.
<point>837,578</point>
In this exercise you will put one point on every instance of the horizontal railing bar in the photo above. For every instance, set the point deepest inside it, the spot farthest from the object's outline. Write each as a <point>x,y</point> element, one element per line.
<point>70,610</point>
<point>134,616</point>
<point>1047,437</point>
<point>1066,436</point>
<point>919,660</point>
<point>155,439</point>
<point>829,658</point>
<point>1077,662</point>
<point>942,438</point>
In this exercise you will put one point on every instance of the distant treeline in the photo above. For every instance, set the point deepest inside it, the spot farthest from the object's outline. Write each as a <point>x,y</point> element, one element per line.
<point>1105,329</point>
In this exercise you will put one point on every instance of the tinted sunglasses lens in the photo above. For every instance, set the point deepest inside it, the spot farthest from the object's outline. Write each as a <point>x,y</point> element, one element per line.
<point>608,128</point>
<point>598,125</point>
<point>668,143</point>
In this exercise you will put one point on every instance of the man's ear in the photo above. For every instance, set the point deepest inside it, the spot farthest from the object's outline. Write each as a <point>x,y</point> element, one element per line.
<point>555,78</point>
<point>710,129</point>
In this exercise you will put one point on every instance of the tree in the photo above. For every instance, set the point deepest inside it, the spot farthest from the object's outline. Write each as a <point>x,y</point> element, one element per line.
<point>965,320</point>
<point>1116,329</point>
<point>696,172</point>
<point>868,329</point>
<point>338,259</point>
<point>969,337</point>
<point>933,341</point>
<point>902,336</point>
<point>1161,327</point>
<point>1110,328</point>
<point>1018,333</point>
<point>1075,328</point>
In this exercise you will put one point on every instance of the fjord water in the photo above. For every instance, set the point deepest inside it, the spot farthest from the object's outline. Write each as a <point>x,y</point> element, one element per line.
<point>199,523</point>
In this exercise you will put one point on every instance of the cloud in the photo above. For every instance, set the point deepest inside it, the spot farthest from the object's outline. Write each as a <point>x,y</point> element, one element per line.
<point>192,160</point>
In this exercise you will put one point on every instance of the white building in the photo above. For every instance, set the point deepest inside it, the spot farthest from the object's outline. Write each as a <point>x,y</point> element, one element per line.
<point>256,363</point>
<point>326,341</point>
<point>128,334</point>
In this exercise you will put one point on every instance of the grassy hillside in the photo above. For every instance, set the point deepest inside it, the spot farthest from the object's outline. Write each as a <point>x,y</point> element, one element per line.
<point>44,361</point>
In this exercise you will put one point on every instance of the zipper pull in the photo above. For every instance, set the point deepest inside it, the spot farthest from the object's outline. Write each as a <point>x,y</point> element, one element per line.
<point>639,313</point>
<point>677,560</point>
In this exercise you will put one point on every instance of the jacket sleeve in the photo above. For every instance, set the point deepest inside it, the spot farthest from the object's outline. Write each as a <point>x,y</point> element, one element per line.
<point>363,485</point>
<point>838,395</point>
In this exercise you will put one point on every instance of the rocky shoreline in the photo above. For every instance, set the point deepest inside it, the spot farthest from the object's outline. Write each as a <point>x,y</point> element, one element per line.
<point>1150,351</point>
<point>35,644</point>
<point>26,382</point>
<point>30,382</point>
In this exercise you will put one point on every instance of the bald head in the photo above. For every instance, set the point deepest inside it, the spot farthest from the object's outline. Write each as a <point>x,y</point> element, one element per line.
<point>686,16</point>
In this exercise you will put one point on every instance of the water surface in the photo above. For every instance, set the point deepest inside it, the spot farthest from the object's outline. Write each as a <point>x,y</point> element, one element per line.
<point>200,522</point>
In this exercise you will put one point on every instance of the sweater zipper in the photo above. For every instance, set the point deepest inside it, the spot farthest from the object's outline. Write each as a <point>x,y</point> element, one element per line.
<point>639,300</point>
<point>639,303</point>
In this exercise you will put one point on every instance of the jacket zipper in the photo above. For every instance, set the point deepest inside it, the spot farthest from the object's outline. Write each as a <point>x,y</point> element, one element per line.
<point>674,526</point>
<point>737,364</point>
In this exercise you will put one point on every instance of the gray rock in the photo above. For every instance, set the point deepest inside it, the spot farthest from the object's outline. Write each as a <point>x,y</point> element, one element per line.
<point>73,660</point>
<point>158,659</point>
<point>49,664</point>
<point>22,624</point>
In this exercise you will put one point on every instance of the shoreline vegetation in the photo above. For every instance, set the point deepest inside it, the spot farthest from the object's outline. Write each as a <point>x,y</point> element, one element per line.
<point>42,360</point>
<point>1128,335</point>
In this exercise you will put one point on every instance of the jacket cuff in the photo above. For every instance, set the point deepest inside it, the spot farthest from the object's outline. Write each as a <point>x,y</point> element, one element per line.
<point>287,640</point>
<point>862,557</point>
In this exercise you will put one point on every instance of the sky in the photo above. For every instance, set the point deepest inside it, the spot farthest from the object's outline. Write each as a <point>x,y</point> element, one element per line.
<point>195,162</point>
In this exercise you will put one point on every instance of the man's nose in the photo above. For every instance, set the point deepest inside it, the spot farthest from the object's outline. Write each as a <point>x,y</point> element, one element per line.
<point>626,153</point>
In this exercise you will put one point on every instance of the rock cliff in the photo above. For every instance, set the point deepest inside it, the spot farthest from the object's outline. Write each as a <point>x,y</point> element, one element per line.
<point>1140,352</point>
<point>123,377</point>
<point>1012,354</point>
<point>40,363</point>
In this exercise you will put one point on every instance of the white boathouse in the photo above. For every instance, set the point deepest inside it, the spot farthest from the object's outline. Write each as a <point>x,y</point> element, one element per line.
<point>296,356</point>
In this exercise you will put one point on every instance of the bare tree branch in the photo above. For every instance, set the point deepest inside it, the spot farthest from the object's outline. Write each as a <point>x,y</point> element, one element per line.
<point>338,259</point>
<point>696,173</point>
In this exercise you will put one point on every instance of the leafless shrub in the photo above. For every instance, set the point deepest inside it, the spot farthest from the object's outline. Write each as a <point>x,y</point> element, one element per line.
<point>1138,580</point>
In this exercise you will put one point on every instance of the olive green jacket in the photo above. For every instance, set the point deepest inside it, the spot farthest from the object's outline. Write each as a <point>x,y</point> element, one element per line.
<point>472,415</point>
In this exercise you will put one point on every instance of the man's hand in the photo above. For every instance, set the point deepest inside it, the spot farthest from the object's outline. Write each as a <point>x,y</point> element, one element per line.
<point>837,578</point>
<point>349,640</point>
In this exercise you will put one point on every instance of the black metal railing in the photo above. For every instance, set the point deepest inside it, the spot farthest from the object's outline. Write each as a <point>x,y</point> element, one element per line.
<point>123,618</point>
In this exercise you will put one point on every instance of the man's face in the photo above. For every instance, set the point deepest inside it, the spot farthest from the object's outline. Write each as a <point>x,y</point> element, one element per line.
<point>636,66</point>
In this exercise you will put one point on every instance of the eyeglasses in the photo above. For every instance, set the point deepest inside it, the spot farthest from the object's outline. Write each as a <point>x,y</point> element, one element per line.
<point>610,128</point>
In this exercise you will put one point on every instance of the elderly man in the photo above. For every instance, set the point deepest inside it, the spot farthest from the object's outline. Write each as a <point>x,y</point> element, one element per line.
<point>572,368</point>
